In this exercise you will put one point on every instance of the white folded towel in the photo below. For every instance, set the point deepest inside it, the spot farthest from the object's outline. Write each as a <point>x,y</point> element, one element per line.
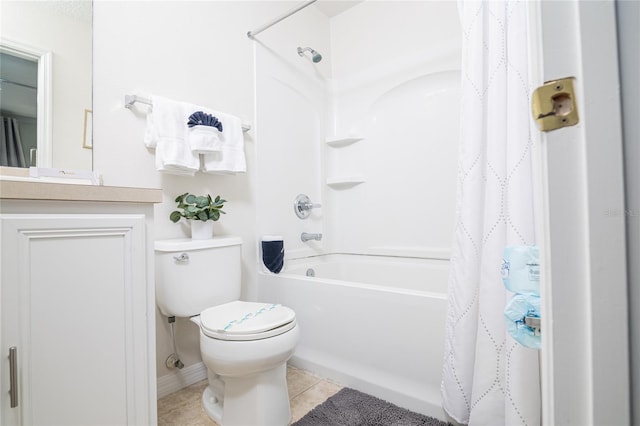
<point>175,157</point>
<point>204,139</point>
<point>230,158</point>
<point>167,132</point>
<point>151,133</point>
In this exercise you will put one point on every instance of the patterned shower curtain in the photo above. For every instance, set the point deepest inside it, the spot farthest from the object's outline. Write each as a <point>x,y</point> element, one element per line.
<point>488,378</point>
<point>11,152</point>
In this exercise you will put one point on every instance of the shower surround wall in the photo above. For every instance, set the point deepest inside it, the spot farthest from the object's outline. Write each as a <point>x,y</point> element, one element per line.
<point>395,83</point>
<point>393,192</point>
<point>291,118</point>
<point>393,86</point>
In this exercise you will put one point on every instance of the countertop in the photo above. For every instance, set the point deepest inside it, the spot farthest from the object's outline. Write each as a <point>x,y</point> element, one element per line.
<point>29,190</point>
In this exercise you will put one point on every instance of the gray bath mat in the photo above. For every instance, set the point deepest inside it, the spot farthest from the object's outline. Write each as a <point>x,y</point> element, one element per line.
<point>349,407</point>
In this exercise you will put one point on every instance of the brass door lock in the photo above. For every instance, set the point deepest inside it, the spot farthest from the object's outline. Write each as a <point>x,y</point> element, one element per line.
<point>554,105</point>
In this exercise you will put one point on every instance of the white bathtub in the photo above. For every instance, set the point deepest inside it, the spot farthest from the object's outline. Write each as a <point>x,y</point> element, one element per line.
<point>372,323</point>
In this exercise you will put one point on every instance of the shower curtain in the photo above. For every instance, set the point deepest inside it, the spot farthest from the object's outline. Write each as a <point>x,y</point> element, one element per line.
<point>488,378</point>
<point>11,153</point>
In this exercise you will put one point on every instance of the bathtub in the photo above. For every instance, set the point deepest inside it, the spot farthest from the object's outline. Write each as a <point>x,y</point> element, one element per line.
<point>373,323</point>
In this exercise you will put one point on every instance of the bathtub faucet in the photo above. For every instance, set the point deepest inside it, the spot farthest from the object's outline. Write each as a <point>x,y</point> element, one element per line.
<point>305,236</point>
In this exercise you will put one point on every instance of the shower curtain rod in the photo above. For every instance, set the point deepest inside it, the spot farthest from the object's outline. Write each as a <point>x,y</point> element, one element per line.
<point>271,23</point>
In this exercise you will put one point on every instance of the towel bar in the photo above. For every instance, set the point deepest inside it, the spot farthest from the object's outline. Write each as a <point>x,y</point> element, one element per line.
<point>129,100</point>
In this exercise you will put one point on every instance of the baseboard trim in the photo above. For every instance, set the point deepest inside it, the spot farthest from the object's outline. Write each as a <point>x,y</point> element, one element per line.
<point>181,379</point>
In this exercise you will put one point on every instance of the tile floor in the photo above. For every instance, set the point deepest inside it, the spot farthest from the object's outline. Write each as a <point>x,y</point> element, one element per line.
<point>306,391</point>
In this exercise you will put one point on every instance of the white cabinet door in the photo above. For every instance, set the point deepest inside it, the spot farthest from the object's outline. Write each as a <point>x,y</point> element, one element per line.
<point>73,303</point>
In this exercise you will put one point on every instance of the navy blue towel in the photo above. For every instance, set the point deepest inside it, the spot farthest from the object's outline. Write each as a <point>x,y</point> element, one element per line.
<point>200,118</point>
<point>273,253</point>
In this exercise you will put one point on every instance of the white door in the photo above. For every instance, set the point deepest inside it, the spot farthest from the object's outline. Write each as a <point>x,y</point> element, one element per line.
<point>585,344</point>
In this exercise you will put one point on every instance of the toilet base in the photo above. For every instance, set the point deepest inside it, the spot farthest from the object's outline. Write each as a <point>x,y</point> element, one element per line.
<point>212,405</point>
<point>260,399</point>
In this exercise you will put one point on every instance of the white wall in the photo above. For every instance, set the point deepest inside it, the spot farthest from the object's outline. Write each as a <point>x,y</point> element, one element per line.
<point>191,51</point>
<point>198,52</point>
<point>45,26</point>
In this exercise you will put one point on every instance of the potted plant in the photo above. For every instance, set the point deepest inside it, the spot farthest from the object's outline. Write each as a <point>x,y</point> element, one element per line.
<point>200,211</point>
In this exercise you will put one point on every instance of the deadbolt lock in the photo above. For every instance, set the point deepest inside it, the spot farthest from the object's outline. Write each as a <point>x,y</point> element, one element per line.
<point>554,105</point>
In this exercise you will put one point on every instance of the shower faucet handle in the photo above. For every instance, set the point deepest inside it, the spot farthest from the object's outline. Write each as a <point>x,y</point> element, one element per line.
<point>302,206</point>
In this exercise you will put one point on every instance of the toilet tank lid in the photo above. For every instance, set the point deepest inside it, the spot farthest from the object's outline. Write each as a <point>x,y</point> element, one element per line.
<point>186,244</point>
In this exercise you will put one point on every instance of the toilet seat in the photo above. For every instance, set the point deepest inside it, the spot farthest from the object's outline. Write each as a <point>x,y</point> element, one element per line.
<point>240,320</point>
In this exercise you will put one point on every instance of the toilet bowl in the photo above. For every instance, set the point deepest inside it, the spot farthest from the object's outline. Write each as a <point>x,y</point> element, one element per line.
<point>244,345</point>
<point>247,367</point>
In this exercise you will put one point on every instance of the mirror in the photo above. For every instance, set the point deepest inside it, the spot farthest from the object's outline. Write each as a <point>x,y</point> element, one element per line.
<point>45,82</point>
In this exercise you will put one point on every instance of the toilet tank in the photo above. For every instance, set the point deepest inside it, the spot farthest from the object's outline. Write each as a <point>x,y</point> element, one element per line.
<point>192,275</point>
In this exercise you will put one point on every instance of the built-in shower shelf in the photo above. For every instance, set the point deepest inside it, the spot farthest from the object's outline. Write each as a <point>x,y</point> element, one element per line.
<point>340,142</point>
<point>345,181</point>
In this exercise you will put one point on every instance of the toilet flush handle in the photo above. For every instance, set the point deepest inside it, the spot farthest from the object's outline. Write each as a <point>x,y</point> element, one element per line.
<point>184,257</point>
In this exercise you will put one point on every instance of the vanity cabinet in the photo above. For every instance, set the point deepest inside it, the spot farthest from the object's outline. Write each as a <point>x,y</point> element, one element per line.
<point>77,304</point>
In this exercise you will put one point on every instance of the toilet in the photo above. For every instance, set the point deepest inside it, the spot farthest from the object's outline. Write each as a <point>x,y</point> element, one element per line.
<point>244,345</point>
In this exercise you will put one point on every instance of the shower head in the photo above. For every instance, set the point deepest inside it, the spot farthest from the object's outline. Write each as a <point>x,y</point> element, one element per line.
<point>315,56</point>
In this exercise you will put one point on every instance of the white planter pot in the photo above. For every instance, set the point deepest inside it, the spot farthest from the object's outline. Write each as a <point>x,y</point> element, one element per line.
<point>201,230</point>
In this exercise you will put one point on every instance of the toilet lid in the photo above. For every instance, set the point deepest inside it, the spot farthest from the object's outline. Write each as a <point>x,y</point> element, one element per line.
<point>246,320</point>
